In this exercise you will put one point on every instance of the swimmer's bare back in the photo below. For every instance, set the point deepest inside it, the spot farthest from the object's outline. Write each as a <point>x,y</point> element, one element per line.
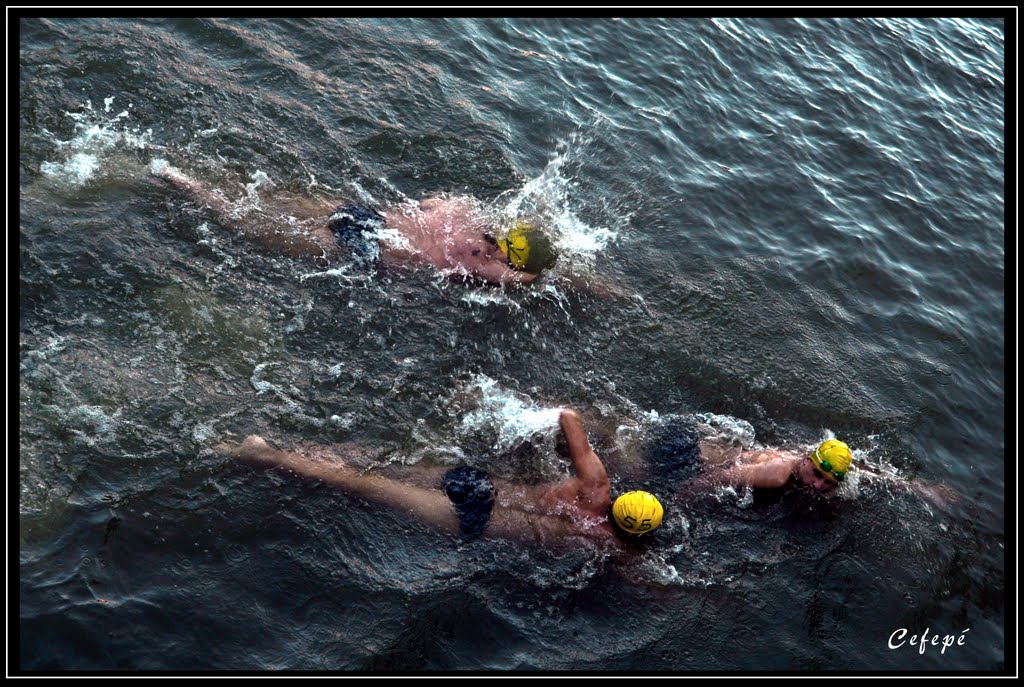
<point>445,233</point>
<point>449,234</point>
<point>568,514</point>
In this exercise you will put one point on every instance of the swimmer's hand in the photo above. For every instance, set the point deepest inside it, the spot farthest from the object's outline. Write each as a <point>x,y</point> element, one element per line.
<point>174,176</point>
<point>254,449</point>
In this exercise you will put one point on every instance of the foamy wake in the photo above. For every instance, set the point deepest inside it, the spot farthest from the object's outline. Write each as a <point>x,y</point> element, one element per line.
<point>97,139</point>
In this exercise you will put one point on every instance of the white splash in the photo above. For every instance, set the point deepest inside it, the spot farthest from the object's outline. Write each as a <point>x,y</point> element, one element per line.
<point>725,428</point>
<point>262,386</point>
<point>392,237</point>
<point>203,432</point>
<point>364,196</point>
<point>96,141</point>
<point>512,416</point>
<point>489,297</point>
<point>548,197</point>
<point>55,344</point>
<point>251,201</point>
<point>345,273</point>
<point>89,423</point>
<point>159,166</point>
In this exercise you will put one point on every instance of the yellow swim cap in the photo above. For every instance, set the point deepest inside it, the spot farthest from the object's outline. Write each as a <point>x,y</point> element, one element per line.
<point>833,458</point>
<point>528,248</point>
<point>637,512</point>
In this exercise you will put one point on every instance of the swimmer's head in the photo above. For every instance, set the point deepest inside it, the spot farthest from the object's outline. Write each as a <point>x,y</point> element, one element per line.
<point>832,460</point>
<point>637,512</point>
<point>528,248</point>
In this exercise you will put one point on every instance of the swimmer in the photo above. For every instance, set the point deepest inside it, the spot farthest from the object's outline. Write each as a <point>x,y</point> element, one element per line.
<point>823,469</point>
<point>466,501</point>
<point>679,458</point>
<point>452,234</point>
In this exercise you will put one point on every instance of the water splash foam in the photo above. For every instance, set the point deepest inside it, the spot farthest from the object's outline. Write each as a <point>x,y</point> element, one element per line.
<point>97,140</point>
<point>549,199</point>
<point>512,417</point>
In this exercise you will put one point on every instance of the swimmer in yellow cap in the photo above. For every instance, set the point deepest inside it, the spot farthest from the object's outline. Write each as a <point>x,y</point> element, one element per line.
<point>822,469</point>
<point>675,455</point>
<point>637,512</point>
<point>468,502</point>
<point>527,248</point>
<point>453,234</point>
<point>831,461</point>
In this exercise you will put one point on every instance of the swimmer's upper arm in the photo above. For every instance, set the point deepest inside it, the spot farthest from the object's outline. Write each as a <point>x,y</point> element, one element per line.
<point>769,475</point>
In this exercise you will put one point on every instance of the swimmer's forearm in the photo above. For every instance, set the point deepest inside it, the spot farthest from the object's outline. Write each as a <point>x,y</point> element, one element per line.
<point>497,273</point>
<point>597,286</point>
<point>706,482</point>
<point>588,466</point>
<point>514,277</point>
<point>572,428</point>
<point>715,453</point>
<point>256,450</point>
<point>934,493</point>
<point>313,469</point>
<point>193,187</point>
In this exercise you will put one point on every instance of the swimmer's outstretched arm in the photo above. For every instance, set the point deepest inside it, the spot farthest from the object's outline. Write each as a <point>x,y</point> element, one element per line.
<point>181,181</point>
<point>274,227</point>
<point>597,286</point>
<point>718,453</point>
<point>938,495</point>
<point>771,474</point>
<point>428,505</point>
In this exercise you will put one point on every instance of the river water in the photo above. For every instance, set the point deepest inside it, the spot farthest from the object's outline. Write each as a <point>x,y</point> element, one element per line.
<point>794,228</point>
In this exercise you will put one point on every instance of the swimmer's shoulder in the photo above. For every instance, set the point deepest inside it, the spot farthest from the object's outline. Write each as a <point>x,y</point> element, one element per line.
<point>768,455</point>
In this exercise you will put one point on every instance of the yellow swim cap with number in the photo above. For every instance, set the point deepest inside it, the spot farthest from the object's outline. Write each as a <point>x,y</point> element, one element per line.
<point>833,458</point>
<point>528,248</point>
<point>637,512</point>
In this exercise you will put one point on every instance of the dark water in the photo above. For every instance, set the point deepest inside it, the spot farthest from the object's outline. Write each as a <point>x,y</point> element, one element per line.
<point>804,224</point>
